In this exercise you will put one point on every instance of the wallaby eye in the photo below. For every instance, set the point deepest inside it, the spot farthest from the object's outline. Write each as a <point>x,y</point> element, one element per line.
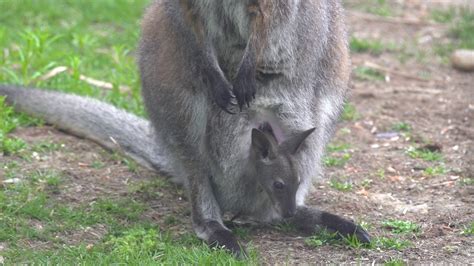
<point>278,185</point>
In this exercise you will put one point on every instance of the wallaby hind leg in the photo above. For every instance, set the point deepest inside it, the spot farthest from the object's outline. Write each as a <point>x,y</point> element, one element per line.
<point>206,216</point>
<point>309,220</point>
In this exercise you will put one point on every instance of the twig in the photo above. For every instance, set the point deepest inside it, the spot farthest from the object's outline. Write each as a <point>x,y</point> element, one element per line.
<point>397,73</point>
<point>393,20</point>
<point>94,82</point>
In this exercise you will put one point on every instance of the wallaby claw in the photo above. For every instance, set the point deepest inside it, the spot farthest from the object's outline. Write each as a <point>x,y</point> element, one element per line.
<point>225,99</point>
<point>344,227</point>
<point>225,239</point>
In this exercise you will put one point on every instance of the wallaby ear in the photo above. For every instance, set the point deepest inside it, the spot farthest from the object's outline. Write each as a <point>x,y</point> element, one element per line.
<point>292,144</point>
<point>260,143</point>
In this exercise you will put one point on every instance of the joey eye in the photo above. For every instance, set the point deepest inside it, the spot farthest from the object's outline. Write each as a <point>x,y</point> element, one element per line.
<point>278,185</point>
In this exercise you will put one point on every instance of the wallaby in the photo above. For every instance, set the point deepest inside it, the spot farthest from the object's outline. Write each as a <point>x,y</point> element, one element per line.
<point>284,63</point>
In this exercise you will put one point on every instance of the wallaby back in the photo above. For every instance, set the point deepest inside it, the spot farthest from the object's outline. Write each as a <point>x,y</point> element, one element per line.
<point>85,117</point>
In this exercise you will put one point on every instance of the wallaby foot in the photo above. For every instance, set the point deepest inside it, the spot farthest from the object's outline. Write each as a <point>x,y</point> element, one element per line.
<point>219,236</point>
<point>308,220</point>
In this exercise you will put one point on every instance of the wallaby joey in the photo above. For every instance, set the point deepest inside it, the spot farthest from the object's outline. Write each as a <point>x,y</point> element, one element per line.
<point>242,98</point>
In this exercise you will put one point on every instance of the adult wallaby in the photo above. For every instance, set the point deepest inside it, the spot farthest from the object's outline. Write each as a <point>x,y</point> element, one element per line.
<point>283,63</point>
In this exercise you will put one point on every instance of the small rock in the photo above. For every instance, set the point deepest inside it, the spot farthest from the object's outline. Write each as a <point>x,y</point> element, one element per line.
<point>463,60</point>
<point>375,146</point>
<point>387,135</point>
<point>12,181</point>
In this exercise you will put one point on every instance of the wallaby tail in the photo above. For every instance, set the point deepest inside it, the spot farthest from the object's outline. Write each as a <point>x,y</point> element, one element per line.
<point>89,118</point>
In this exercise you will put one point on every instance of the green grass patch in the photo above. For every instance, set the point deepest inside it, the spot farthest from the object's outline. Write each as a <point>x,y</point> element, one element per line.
<point>368,74</point>
<point>374,47</point>
<point>97,40</point>
<point>379,7</point>
<point>392,243</point>
<point>443,15</point>
<point>435,170</point>
<point>466,181</point>
<point>468,229</point>
<point>349,113</point>
<point>424,154</point>
<point>401,227</point>
<point>324,237</point>
<point>461,30</point>
<point>336,160</point>
<point>340,185</point>
<point>138,245</point>
<point>402,127</point>
<point>394,262</point>
<point>30,214</point>
<point>46,147</point>
<point>338,147</point>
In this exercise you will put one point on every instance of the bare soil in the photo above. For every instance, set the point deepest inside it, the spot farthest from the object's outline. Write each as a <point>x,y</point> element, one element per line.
<point>440,109</point>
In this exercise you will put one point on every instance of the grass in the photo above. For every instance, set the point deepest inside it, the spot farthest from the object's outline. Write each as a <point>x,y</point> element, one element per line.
<point>467,181</point>
<point>424,154</point>
<point>461,30</point>
<point>349,113</point>
<point>401,227</point>
<point>435,170</point>
<point>30,214</point>
<point>378,7</point>
<point>368,74</point>
<point>402,127</point>
<point>324,237</point>
<point>341,186</point>
<point>374,47</point>
<point>337,154</point>
<point>336,160</point>
<point>468,230</point>
<point>394,262</point>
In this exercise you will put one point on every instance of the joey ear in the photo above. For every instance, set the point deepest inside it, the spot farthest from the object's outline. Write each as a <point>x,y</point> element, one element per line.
<point>292,144</point>
<point>260,143</point>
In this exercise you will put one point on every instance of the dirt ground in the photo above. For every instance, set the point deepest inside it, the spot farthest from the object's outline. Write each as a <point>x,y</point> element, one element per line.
<point>440,109</point>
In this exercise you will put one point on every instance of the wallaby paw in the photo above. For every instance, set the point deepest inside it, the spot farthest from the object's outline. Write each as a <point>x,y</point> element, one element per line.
<point>225,239</point>
<point>344,227</point>
<point>244,88</point>
<point>221,91</point>
<point>224,98</point>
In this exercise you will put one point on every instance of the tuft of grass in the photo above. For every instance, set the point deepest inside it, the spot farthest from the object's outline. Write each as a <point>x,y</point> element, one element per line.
<point>424,154</point>
<point>322,238</point>
<point>374,47</point>
<point>468,229</point>
<point>368,74</point>
<point>341,186</point>
<point>349,113</point>
<point>401,227</point>
<point>443,15</point>
<point>379,7</point>
<point>435,170</point>
<point>392,243</point>
<point>338,147</point>
<point>285,227</point>
<point>46,147</point>
<point>336,161</point>
<point>461,31</point>
<point>402,127</point>
<point>466,181</point>
<point>394,262</point>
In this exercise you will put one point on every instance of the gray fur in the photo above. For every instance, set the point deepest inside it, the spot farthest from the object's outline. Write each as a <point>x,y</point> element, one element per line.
<point>228,164</point>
